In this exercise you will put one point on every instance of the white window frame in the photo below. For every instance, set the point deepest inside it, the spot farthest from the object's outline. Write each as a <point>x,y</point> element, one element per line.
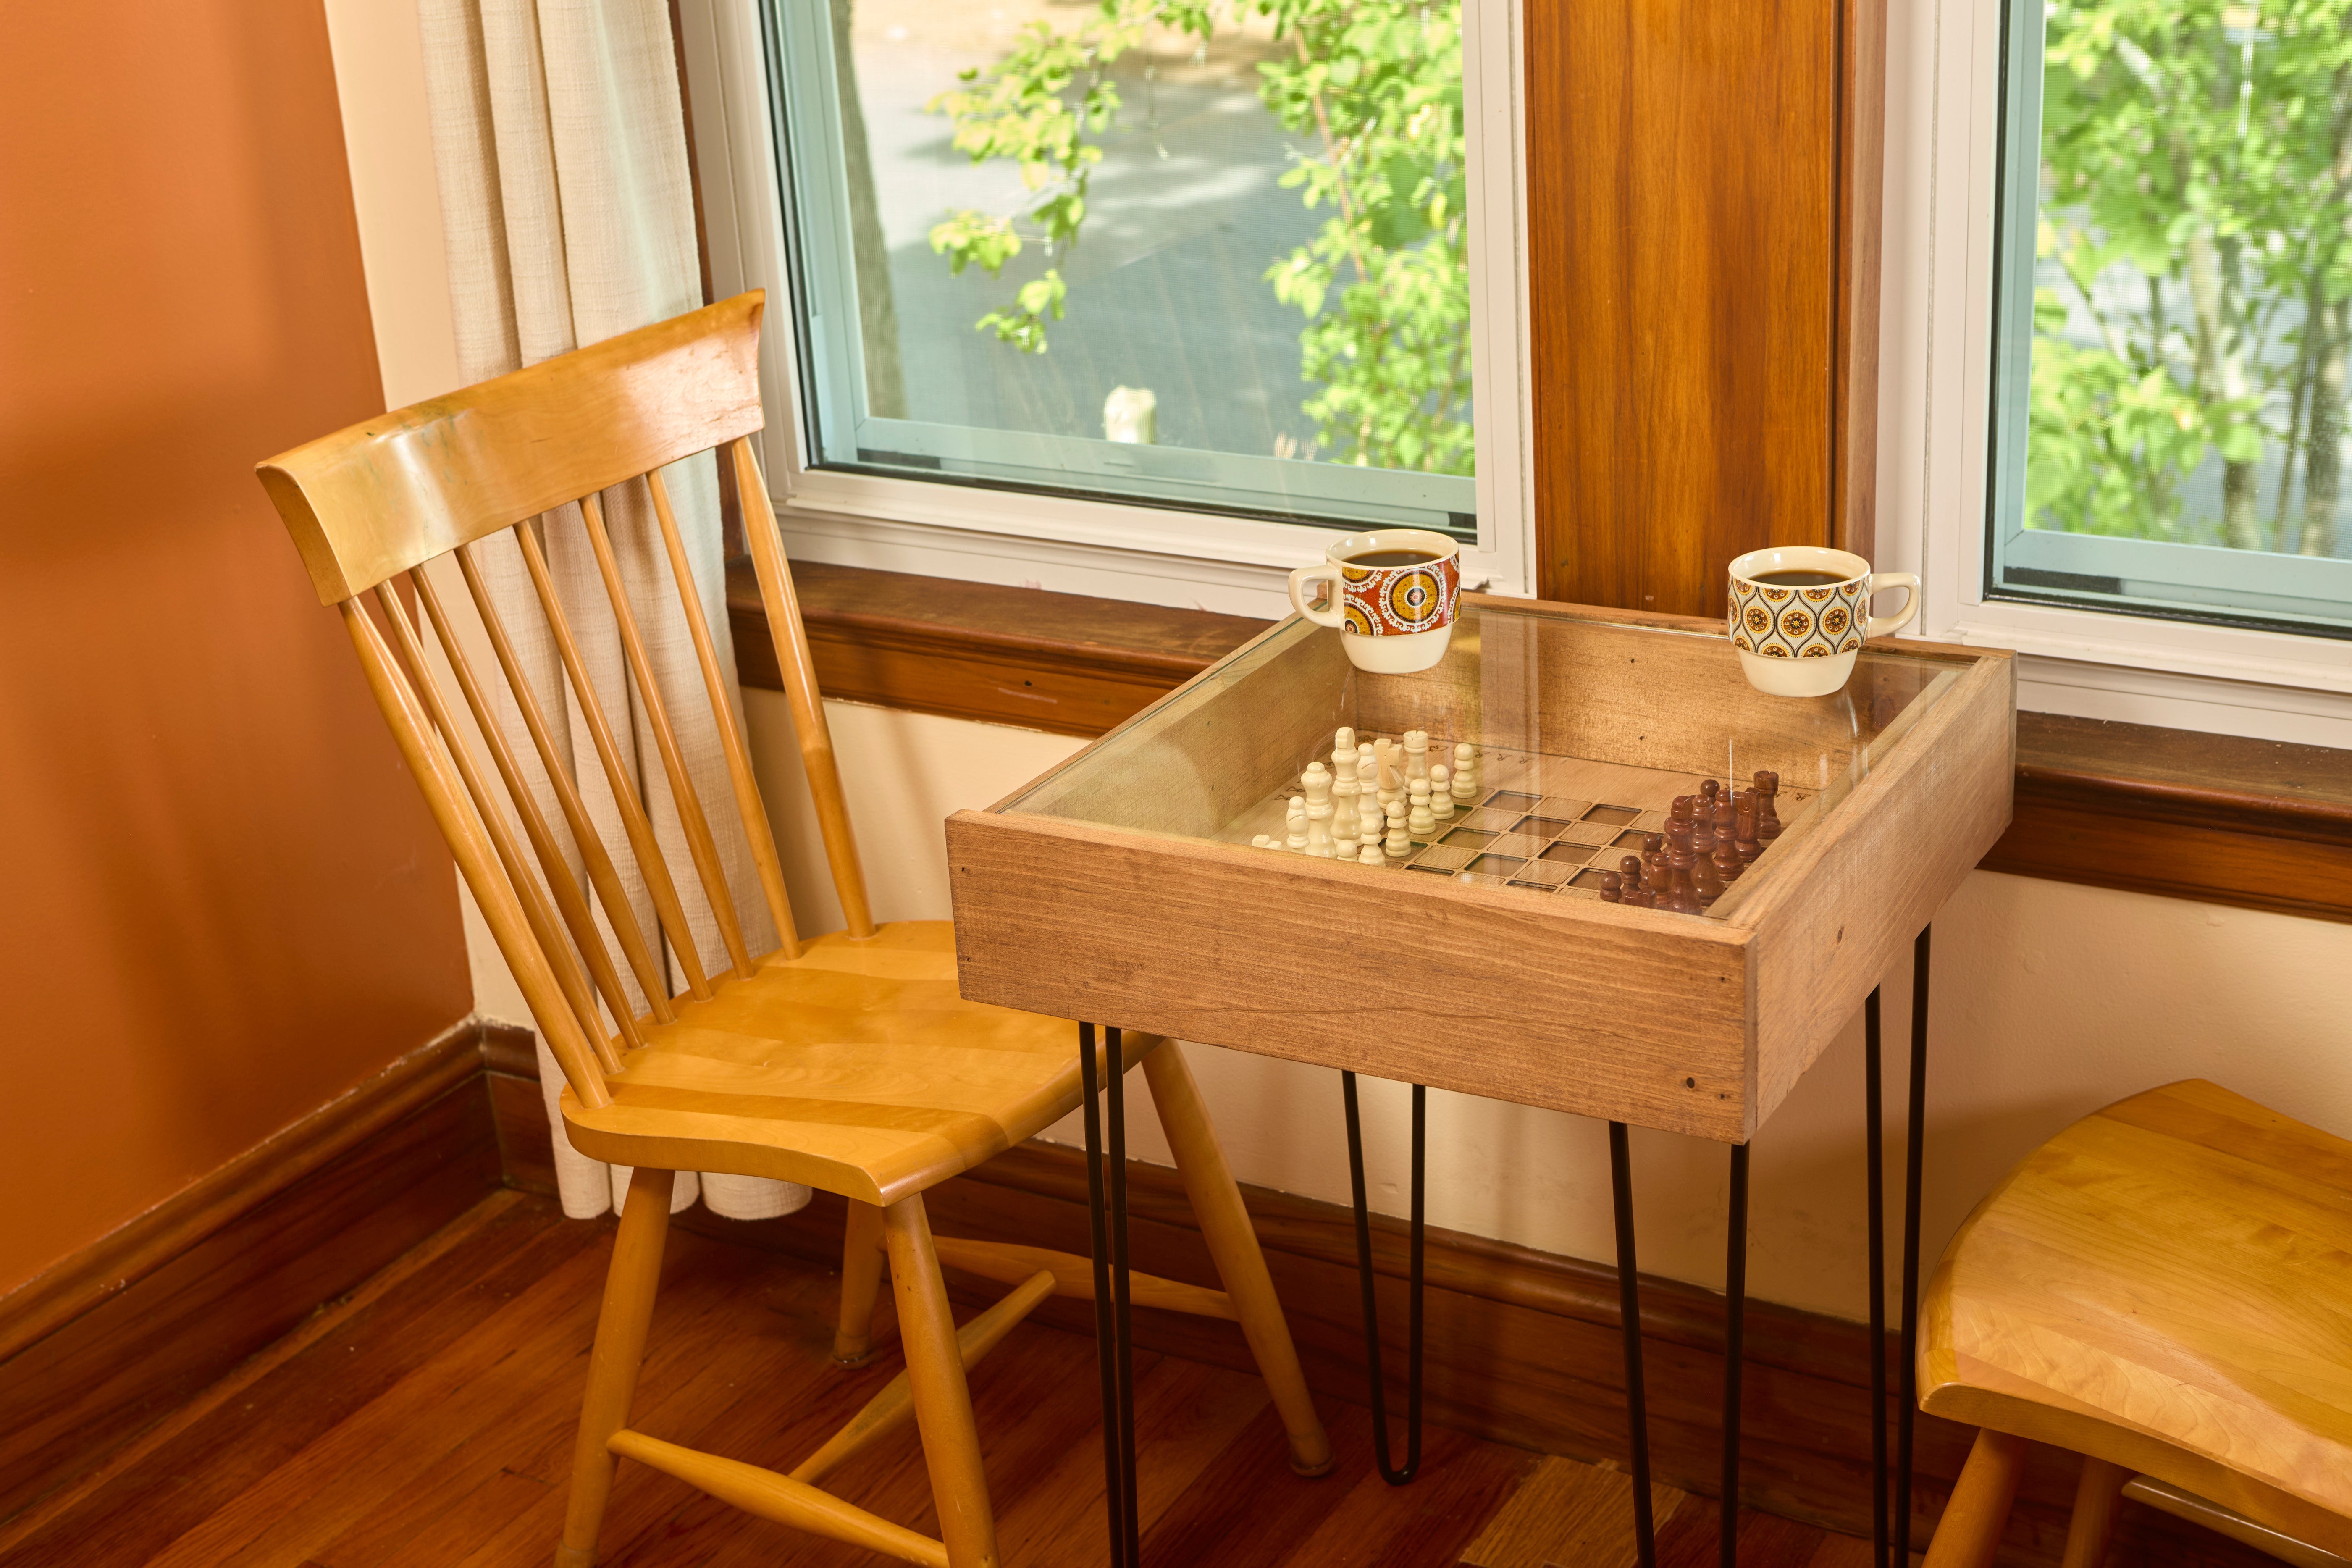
<point>1072,543</point>
<point>1935,406</point>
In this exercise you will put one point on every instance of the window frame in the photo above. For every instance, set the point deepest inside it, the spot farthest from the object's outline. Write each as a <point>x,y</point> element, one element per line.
<point>1938,405</point>
<point>1079,544</point>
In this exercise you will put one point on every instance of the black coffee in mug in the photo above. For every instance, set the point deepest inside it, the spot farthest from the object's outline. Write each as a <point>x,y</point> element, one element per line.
<point>1392,558</point>
<point>1797,579</point>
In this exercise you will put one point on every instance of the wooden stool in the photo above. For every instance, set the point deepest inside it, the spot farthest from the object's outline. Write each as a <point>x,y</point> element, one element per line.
<point>2166,1289</point>
<point>848,1062</point>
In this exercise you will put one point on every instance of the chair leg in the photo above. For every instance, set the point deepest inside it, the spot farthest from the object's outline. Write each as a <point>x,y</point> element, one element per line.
<point>2097,1496</point>
<point>927,1331</point>
<point>629,1288</point>
<point>861,1280</point>
<point>1978,1509</point>
<point>1233,1243</point>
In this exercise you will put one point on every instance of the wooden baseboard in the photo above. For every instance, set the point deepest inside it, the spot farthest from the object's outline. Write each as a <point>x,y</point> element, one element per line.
<point>111,1339</point>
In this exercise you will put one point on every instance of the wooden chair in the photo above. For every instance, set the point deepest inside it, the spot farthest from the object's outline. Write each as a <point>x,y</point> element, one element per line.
<point>846,1061</point>
<point>2165,1289</point>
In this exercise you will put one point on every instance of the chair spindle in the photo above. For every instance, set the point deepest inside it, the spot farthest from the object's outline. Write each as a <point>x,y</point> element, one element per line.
<point>470,844</point>
<point>535,906</point>
<point>748,804</point>
<point>633,821</point>
<point>700,843</point>
<point>602,873</point>
<point>801,689</point>
<point>571,903</point>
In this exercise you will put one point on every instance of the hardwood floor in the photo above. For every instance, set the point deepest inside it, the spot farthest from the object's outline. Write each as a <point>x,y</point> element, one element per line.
<point>427,1418</point>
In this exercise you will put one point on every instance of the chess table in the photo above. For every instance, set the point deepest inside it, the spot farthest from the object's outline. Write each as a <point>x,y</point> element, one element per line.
<point>1123,887</point>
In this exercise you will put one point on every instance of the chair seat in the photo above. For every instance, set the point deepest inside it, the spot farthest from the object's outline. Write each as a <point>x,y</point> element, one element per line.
<point>2166,1285</point>
<point>855,1068</point>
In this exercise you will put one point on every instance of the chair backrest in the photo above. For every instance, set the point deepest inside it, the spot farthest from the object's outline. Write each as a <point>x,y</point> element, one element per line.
<point>369,506</point>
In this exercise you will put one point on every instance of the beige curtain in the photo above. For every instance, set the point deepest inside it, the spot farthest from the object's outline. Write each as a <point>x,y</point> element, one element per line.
<point>560,144</point>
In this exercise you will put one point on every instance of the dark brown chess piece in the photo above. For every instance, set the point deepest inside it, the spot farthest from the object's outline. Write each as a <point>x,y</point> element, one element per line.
<point>1707,789</point>
<point>1744,829</point>
<point>1727,864</point>
<point>1612,887</point>
<point>1705,882</point>
<point>1653,857</point>
<point>1768,818</point>
<point>1680,894</point>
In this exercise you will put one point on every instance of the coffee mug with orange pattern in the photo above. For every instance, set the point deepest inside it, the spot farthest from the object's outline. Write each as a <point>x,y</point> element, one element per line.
<point>1799,613</point>
<point>1392,597</point>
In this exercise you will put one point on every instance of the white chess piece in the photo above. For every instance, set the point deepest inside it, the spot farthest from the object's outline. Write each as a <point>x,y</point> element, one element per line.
<point>1263,842</point>
<point>1441,798</point>
<point>1392,782</point>
<point>1318,782</point>
<point>1318,829</point>
<point>1416,755</point>
<point>1343,798</point>
<point>1370,855</point>
<point>1418,819</point>
<point>1399,843</point>
<point>1466,772</point>
<point>1295,834</point>
<point>1343,744</point>
<point>1370,821</point>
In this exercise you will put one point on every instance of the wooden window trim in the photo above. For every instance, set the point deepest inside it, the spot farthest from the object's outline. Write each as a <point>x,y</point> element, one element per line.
<point>2215,818</point>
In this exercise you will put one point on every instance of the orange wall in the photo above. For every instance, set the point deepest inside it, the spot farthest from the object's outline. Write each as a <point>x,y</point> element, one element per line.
<point>221,901</point>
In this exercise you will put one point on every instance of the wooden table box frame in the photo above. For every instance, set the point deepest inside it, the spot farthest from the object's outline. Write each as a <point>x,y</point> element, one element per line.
<point>1118,908</point>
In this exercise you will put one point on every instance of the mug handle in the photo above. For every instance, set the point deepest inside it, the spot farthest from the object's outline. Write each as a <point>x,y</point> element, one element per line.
<point>1304,577</point>
<point>1887,626</point>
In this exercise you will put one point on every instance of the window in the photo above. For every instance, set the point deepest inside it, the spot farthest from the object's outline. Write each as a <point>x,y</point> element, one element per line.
<point>1202,258</point>
<point>2173,311</point>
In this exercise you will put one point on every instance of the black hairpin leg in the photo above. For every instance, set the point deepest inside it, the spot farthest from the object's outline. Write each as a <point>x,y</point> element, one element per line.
<point>1395,1475</point>
<point>1906,1373</point>
<point>1113,1342</point>
<point>1873,1144</point>
<point>1734,1313</point>
<point>1629,1309</point>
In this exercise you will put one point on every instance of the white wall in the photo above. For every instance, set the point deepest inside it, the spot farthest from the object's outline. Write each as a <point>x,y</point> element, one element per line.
<point>2049,1001</point>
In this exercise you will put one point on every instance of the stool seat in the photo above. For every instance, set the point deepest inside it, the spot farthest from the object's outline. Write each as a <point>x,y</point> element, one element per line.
<point>2166,1285</point>
<point>855,1069</point>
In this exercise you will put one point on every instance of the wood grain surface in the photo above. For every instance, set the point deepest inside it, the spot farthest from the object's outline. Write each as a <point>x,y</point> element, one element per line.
<point>2162,1286</point>
<point>1683,241</point>
<point>1609,1011</point>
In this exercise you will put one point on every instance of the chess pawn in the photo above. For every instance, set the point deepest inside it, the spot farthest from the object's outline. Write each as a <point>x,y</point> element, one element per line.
<point>1419,820</point>
<point>1296,834</point>
<point>1399,843</point>
<point>1654,858</point>
<point>1612,887</point>
<point>1703,881</point>
<point>1318,829</point>
<point>1370,855</point>
<point>1728,863</point>
<point>1466,772</point>
<point>1707,789</point>
<point>1441,794</point>
<point>1768,818</point>
<point>1416,756</point>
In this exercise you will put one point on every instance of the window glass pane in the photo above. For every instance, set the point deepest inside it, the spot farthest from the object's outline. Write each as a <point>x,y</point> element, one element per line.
<point>2174,310</point>
<point>1205,257</point>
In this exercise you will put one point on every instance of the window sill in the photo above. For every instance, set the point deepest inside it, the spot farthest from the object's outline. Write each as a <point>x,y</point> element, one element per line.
<point>2216,818</point>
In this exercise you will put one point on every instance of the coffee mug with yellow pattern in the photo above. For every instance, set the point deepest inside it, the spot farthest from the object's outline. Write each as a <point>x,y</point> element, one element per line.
<point>1392,594</point>
<point>1799,613</point>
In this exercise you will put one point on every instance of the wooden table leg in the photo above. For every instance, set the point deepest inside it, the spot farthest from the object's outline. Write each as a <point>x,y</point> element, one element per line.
<point>1395,1474</point>
<point>1629,1311</point>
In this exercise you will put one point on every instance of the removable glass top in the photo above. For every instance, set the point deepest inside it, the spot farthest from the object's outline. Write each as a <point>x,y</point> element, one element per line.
<point>1584,732</point>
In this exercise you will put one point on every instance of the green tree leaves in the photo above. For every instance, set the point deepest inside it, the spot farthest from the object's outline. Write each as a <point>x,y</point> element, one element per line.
<point>2197,167</point>
<point>1384,285</point>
